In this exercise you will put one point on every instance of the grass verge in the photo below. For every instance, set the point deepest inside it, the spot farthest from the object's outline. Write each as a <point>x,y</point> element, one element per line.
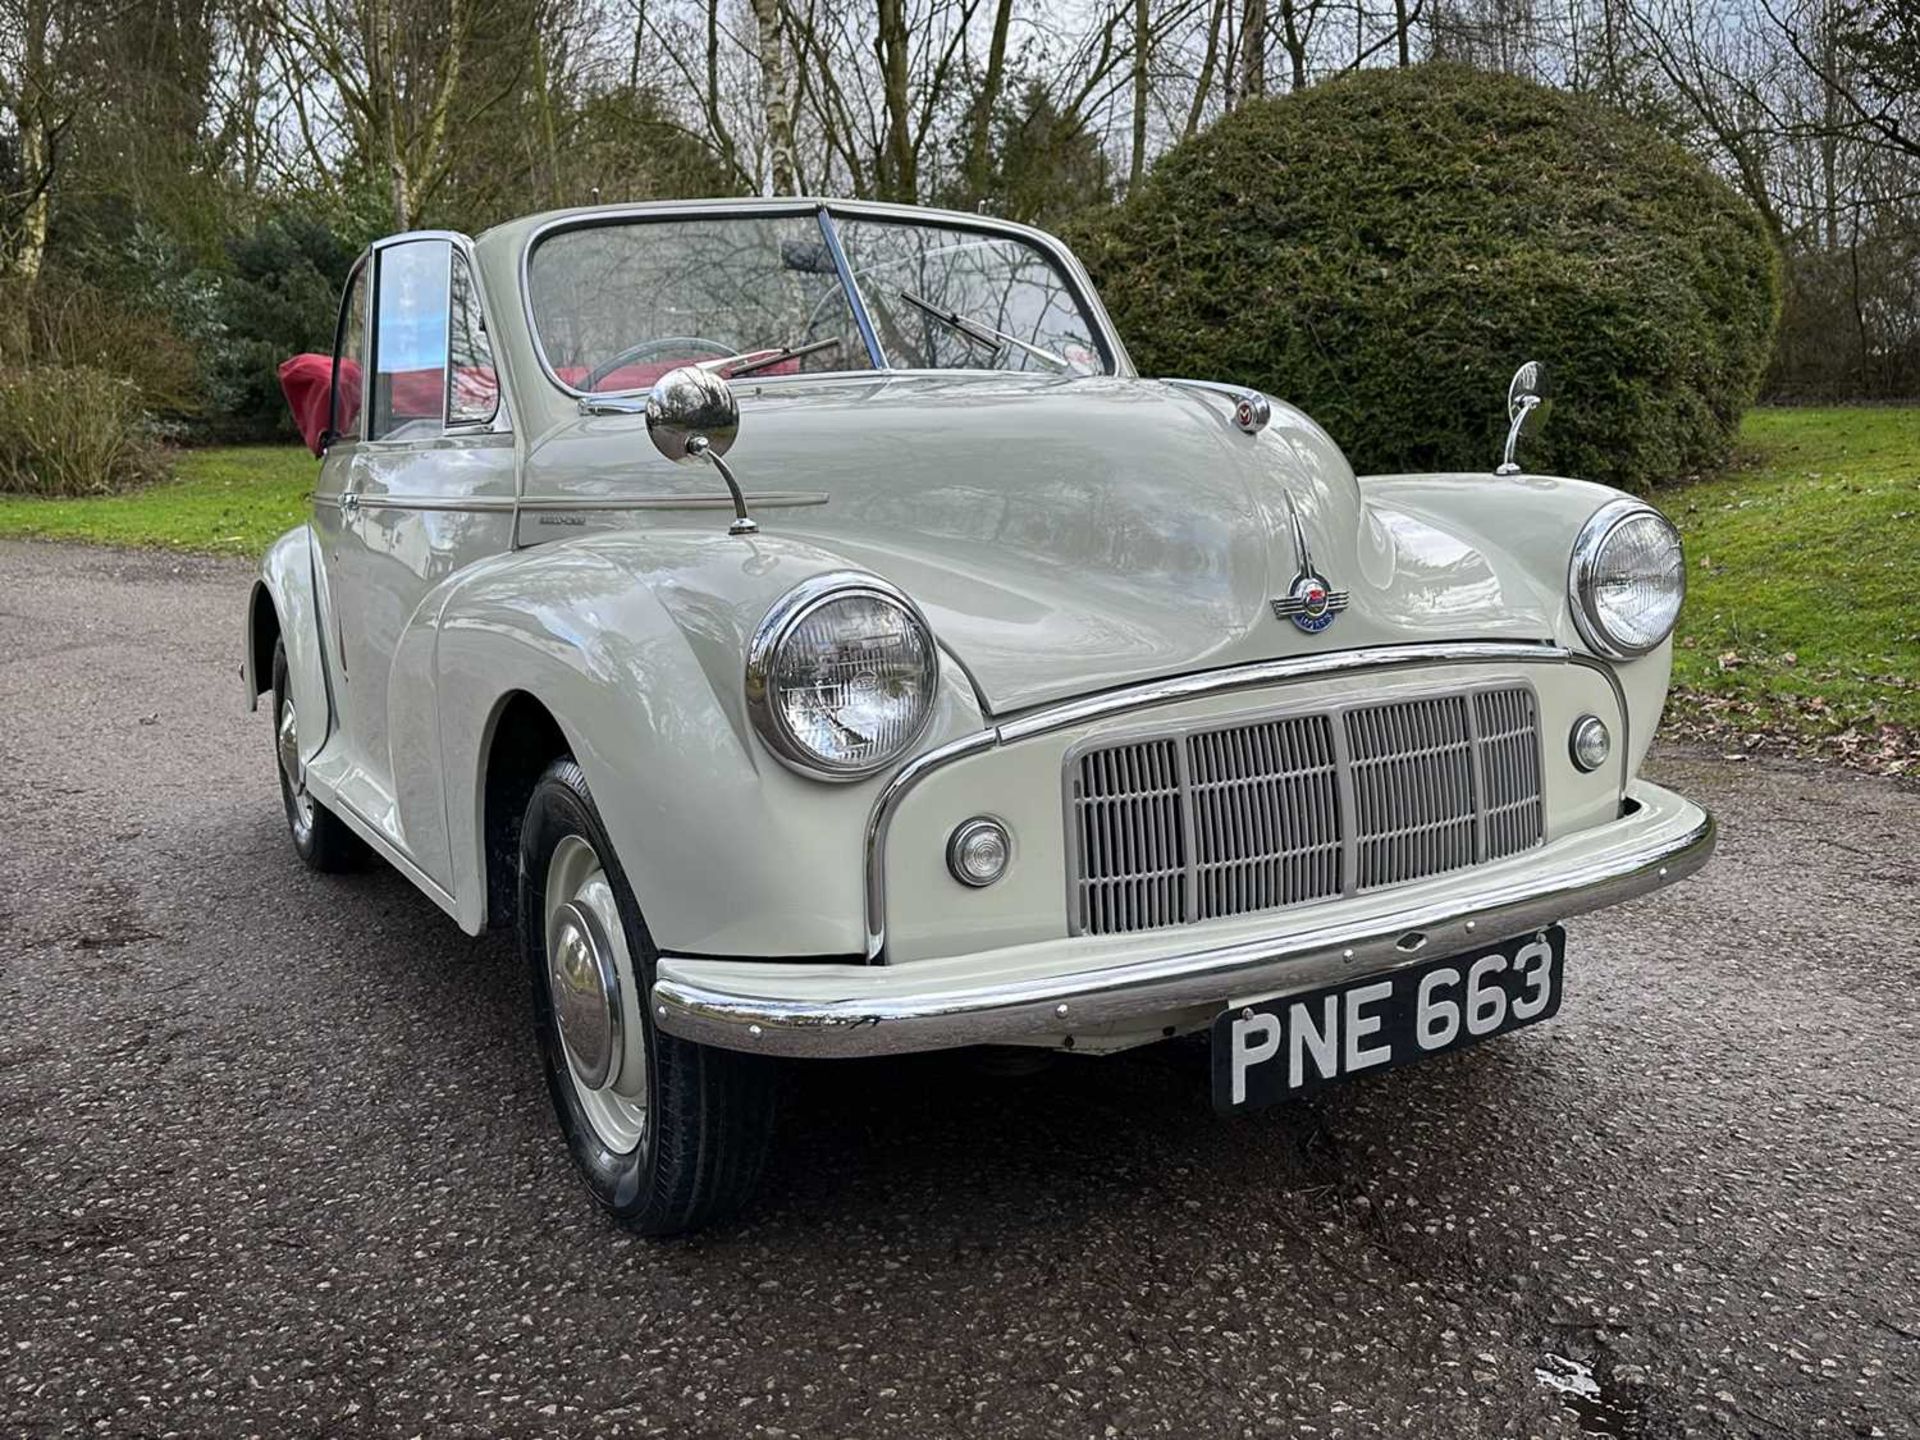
<point>235,499</point>
<point>1802,625</point>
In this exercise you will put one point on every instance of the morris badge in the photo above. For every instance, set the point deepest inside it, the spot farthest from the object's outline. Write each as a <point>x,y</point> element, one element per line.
<point>1310,602</point>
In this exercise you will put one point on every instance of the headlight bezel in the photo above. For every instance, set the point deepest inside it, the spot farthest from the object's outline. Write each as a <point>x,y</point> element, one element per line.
<point>763,653</point>
<point>1583,576</point>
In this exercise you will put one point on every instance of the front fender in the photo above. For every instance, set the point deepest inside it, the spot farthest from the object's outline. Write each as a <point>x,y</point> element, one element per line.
<point>635,644</point>
<point>283,602</point>
<point>1522,528</point>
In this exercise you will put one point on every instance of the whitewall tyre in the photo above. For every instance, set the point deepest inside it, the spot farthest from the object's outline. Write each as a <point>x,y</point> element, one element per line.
<point>669,1136</point>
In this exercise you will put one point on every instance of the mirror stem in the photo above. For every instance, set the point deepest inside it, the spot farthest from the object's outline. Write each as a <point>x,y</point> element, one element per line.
<point>743,523</point>
<point>1526,407</point>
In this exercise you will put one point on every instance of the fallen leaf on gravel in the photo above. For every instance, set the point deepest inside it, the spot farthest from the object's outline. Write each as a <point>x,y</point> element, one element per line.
<point>1740,729</point>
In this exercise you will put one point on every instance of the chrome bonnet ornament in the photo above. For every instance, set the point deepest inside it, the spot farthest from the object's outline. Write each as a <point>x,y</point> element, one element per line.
<point>1310,602</point>
<point>693,416</point>
<point>1526,392</point>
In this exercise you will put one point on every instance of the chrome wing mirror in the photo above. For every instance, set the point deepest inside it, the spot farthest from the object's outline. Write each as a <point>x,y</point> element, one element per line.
<point>1526,392</point>
<point>692,416</point>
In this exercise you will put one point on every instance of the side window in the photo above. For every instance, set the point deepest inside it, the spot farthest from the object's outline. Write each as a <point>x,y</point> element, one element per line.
<point>410,340</point>
<point>473,386</point>
<point>350,360</point>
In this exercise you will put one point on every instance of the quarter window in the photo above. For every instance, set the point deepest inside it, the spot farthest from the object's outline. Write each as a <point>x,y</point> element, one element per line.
<point>410,335</point>
<point>350,361</point>
<point>473,385</point>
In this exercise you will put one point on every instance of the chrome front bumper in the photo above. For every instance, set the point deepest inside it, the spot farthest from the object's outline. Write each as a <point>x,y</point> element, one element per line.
<point>821,1010</point>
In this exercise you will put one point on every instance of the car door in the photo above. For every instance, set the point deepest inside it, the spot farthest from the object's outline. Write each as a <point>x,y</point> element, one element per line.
<point>426,489</point>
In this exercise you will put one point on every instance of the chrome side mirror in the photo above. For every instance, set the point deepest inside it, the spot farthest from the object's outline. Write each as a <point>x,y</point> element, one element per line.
<point>692,416</point>
<point>1526,392</point>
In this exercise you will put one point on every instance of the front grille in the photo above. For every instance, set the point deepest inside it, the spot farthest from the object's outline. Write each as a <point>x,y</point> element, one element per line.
<point>1200,826</point>
<point>1266,816</point>
<point>1413,800</point>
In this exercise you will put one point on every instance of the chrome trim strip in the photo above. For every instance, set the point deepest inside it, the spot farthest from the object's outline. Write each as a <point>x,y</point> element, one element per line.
<point>476,504</point>
<point>759,500</point>
<point>862,317</point>
<point>880,821</point>
<point>1048,718</point>
<point>1329,953</point>
<point>773,500</point>
<point>1274,672</point>
<point>1590,662</point>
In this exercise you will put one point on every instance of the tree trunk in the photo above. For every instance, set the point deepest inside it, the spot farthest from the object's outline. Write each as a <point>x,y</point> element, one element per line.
<point>1141,36</point>
<point>31,104</point>
<point>547,165</point>
<point>1253,50</point>
<point>1401,23</point>
<point>980,136</point>
<point>30,238</point>
<point>773,94</point>
<point>898,180</point>
<point>1211,58</point>
<point>1294,42</point>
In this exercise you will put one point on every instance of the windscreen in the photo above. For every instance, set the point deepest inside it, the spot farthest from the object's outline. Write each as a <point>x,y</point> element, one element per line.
<point>617,304</point>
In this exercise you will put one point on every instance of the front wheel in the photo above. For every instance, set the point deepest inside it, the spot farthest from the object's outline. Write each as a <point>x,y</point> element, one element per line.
<point>668,1135</point>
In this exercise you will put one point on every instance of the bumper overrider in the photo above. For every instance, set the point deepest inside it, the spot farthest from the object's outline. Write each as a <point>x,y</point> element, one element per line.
<point>1055,988</point>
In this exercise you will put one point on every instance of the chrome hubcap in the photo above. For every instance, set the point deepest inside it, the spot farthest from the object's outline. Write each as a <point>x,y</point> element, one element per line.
<point>287,740</point>
<point>593,988</point>
<point>586,995</point>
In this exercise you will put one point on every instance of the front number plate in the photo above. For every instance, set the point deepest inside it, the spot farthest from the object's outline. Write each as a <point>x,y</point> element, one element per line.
<point>1276,1048</point>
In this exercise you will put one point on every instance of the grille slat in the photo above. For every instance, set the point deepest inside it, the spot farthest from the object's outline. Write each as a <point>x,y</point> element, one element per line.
<point>1510,764</point>
<point>1415,807</point>
<point>1126,804</point>
<point>1183,828</point>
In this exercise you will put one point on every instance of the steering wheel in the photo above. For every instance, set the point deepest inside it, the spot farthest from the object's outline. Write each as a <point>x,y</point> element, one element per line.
<point>646,349</point>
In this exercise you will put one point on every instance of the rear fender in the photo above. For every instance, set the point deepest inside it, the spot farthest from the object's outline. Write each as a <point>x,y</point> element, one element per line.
<point>283,601</point>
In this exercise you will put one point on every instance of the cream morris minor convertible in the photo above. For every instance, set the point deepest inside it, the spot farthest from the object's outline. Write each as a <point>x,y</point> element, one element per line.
<point>801,624</point>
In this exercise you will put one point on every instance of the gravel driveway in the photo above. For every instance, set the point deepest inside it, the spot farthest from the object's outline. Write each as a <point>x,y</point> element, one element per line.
<point>275,1156</point>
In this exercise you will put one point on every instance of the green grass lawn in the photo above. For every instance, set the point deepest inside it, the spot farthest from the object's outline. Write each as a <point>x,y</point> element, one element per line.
<point>235,499</point>
<point>1803,607</point>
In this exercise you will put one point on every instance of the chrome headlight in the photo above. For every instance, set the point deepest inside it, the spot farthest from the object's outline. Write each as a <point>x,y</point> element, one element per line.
<point>1627,579</point>
<point>841,676</point>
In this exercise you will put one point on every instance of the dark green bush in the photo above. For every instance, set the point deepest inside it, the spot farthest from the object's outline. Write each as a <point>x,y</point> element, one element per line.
<point>73,430</point>
<point>1384,249</point>
<point>280,297</point>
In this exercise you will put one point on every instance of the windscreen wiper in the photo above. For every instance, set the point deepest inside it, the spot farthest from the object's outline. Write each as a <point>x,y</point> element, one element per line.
<point>982,333</point>
<point>749,361</point>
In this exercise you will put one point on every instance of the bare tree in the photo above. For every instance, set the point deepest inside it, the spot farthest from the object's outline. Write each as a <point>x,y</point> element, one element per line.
<point>397,69</point>
<point>773,92</point>
<point>41,89</point>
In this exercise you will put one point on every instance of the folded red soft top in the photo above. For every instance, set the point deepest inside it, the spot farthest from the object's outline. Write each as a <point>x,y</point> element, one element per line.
<point>307,382</point>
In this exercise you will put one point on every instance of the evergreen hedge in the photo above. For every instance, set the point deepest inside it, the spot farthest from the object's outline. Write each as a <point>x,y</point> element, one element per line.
<point>1384,249</point>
